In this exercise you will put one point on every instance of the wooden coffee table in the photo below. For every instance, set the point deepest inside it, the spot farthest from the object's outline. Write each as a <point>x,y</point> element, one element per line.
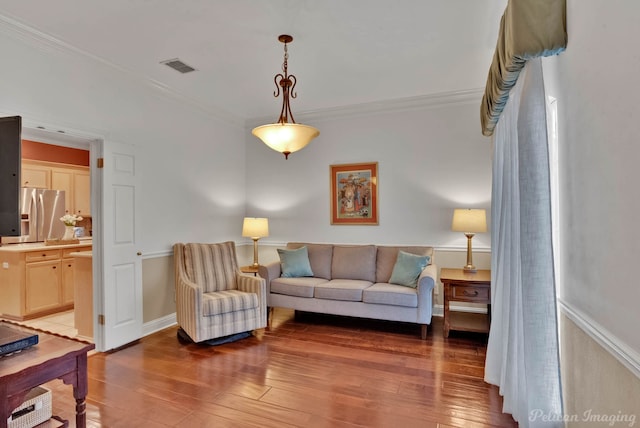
<point>54,357</point>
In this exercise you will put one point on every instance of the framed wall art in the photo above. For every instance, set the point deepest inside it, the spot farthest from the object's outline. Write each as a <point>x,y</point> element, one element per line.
<point>354,193</point>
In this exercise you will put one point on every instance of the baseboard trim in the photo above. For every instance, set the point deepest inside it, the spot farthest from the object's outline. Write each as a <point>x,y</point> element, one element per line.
<point>617,348</point>
<point>159,324</point>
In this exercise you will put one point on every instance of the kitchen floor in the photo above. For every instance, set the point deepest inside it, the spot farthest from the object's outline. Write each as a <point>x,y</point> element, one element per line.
<point>60,323</point>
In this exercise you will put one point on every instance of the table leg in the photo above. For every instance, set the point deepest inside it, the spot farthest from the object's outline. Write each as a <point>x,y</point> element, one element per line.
<point>80,390</point>
<point>5,411</point>
<point>446,310</point>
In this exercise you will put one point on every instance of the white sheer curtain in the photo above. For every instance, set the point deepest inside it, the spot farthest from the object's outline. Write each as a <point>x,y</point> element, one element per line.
<point>522,354</point>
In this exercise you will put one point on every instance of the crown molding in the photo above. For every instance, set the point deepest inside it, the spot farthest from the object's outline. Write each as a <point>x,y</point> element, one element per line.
<point>464,97</point>
<point>46,42</point>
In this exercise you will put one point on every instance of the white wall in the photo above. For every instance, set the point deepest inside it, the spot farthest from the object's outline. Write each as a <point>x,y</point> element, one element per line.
<point>595,84</point>
<point>430,161</point>
<point>192,165</point>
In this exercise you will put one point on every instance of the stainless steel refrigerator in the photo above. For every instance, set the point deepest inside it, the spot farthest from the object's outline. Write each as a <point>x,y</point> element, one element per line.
<point>40,210</point>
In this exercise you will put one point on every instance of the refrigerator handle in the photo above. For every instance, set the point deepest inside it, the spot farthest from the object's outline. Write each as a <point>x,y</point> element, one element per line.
<point>40,214</point>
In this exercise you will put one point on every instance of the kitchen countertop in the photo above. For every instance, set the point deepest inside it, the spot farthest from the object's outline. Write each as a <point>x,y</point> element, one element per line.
<point>35,246</point>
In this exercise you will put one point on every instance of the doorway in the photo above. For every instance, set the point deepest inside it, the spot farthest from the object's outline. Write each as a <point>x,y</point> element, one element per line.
<point>69,159</point>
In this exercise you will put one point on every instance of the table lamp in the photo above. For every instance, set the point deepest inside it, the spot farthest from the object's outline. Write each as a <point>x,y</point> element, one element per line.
<point>469,221</point>
<point>255,228</point>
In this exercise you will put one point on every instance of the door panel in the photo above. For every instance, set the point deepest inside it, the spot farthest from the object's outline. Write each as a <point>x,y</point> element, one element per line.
<point>122,291</point>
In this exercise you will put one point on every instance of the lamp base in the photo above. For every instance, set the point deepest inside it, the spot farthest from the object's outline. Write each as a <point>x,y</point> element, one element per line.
<point>470,269</point>
<point>255,253</point>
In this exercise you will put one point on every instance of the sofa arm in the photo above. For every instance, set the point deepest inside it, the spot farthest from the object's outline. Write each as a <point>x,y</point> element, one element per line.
<point>426,282</point>
<point>269,272</point>
<point>251,284</point>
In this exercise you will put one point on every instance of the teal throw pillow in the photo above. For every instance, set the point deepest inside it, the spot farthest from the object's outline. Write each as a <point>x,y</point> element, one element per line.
<point>407,269</point>
<point>295,263</point>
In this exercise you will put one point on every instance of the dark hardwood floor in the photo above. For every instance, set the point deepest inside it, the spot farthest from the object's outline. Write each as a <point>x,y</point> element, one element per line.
<point>306,371</point>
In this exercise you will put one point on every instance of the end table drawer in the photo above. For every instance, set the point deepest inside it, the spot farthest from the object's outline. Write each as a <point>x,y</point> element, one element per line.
<point>470,294</point>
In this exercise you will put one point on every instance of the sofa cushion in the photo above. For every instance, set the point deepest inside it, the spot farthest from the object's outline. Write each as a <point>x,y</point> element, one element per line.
<point>222,302</point>
<point>319,257</point>
<point>391,294</point>
<point>354,262</point>
<point>294,263</point>
<point>407,269</point>
<point>299,287</point>
<point>387,256</point>
<point>341,289</point>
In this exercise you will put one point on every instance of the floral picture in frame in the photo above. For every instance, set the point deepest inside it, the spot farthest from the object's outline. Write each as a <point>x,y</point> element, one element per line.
<point>354,194</point>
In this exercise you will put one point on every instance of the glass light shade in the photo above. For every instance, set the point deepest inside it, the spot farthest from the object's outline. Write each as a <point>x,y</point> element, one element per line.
<point>469,220</point>
<point>255,227</point>
<point>286,137</point>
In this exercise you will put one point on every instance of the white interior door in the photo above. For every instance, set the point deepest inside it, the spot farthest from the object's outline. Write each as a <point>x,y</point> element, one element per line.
<point>122,264</point>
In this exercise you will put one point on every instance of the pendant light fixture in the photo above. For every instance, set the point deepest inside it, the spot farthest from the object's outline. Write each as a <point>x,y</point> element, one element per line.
<point>284,136</point>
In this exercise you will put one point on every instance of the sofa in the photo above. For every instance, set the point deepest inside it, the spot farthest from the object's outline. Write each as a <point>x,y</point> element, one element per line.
<point>354,280</point>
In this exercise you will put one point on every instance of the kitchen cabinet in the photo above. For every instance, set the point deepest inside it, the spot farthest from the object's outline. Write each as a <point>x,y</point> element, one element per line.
<point>73,179</point>
<point>63,180</point>
<point>82,193</point>
<point>35,175</point>
<point>67,286</point>
<point>37,280</point>
<point>83,297</point>
<point>42,286</point>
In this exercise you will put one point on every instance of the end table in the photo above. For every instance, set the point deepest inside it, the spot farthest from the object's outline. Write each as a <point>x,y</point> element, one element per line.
<point>461,286</point>
<point>249,269</point>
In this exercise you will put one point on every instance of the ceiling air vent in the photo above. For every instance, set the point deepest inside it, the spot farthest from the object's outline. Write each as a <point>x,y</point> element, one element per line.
<point>178,65</point>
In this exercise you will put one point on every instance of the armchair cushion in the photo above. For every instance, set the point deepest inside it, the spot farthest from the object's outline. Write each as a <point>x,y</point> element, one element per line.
<point>222,302</point>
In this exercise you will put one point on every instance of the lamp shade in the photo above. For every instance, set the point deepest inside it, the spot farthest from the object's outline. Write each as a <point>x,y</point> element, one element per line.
<point>286,137</point>
<point>469,220</point>
<point>255,227</point>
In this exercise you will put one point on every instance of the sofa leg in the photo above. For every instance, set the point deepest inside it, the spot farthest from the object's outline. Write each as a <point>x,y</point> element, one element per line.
<point>269,316</point>
<point>423,327</point>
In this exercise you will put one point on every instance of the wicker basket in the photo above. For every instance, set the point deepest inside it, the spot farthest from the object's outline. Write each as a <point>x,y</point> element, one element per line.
<point>35,409</point>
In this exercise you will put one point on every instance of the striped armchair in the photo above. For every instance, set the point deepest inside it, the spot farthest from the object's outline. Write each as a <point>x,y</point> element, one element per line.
<point>213,298</point>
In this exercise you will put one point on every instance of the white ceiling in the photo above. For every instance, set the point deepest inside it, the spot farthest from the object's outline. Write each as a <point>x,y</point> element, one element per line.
<point>344,52</point>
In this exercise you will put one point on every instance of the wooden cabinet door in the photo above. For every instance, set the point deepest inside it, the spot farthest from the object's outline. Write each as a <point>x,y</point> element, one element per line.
<point>36,176</point>
<point>68,281</point>
<point>63,180</point>
<point>82,193</point>
<point>42,286</point>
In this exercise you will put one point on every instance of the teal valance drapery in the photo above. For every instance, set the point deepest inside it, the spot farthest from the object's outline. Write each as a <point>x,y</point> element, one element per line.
<point>528,29</point>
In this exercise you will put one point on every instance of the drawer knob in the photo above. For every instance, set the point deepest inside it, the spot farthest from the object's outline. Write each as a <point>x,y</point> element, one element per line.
<point>466,293</point>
